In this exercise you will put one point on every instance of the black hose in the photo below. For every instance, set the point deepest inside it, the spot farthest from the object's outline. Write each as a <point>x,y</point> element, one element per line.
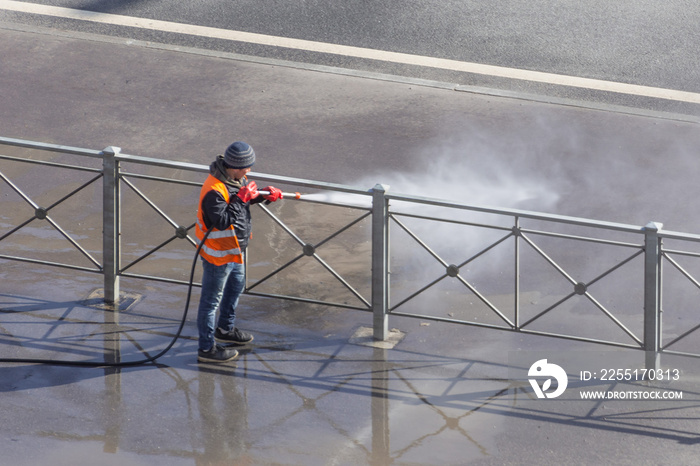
<point>61,362</point>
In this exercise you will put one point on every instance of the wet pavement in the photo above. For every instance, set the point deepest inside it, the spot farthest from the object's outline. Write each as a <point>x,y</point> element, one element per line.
<point>311,390</point>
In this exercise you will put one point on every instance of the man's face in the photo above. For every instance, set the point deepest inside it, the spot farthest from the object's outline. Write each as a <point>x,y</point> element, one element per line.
<point>237,173</point>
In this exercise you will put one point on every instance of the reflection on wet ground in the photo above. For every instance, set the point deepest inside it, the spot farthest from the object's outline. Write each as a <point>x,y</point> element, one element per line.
<point>305,393</point>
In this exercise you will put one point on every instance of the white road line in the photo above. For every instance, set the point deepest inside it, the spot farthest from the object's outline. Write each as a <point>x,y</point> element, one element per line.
<point>349,51</point>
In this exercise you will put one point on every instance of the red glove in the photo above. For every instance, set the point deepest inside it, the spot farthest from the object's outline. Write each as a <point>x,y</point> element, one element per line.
<point>274,194</point>
<point>248,192</point>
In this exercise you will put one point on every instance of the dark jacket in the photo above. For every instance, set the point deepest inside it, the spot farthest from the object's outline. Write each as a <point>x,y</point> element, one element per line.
<point>217,213</point>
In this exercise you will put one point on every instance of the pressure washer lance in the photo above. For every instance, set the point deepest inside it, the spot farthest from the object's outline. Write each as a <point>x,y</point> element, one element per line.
<point>284,195</point>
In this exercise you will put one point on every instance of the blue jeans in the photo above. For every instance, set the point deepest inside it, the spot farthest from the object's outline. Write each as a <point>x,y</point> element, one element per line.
<point>221,287</point>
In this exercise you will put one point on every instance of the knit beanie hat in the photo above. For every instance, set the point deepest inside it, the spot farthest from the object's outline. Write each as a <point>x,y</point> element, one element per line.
<point>239,155</point>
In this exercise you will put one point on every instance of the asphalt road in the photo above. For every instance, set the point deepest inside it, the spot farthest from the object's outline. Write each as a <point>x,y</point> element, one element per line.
<point>639,43</point>
<point>74,88</point>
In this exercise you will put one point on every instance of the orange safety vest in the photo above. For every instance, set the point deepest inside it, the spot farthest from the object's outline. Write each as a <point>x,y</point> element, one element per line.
<point>221,246</point>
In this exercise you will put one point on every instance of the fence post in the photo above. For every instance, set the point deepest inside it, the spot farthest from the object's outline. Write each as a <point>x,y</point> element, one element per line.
<point>652,293</point>
<point>380,261</point>
<point>110,223</point>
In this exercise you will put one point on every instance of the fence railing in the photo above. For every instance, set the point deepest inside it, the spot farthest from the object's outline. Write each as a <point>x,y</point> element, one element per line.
<point>520,271</point>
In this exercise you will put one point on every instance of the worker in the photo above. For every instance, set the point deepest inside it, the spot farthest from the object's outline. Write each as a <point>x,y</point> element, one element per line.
<point>224,208</point>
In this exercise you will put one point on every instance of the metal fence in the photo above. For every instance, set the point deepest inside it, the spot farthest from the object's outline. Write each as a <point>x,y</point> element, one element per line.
<point>482,276</point>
